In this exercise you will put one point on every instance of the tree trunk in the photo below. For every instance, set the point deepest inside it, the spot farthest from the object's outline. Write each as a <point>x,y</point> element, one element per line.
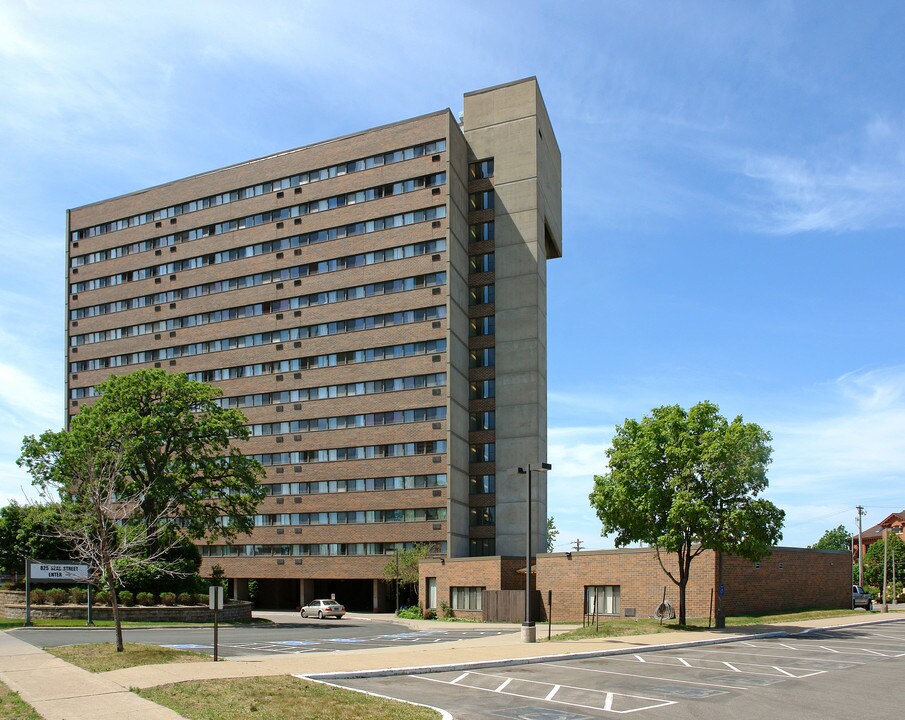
<point>114,604</point>
<point>683,582</point>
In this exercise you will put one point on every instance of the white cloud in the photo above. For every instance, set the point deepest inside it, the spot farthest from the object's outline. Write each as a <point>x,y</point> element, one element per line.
<point>854,185</point>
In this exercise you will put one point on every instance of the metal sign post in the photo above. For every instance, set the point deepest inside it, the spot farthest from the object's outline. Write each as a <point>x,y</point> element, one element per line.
<point>215,601</point>
<point>27,592</point>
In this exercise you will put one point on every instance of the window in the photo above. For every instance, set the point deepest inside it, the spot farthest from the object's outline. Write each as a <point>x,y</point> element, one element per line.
<point>431,584</point>
<point>601,600</point>
<point>485,452</point>
<point>481,263</point>
<point>481,232</point>
<point>481,295</point>
<point>482,516</point>
<point>467,598</point>
<point>486,357</point>
<point>482,389</point>
<point>481,326</point>
<point>481,484</point>
<point>481,170</point>
<point>480,201</point>
<point>481,421</point>
<point>481,547</point>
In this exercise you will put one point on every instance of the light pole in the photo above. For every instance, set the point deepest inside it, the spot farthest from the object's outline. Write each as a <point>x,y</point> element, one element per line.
<point>528,629</point>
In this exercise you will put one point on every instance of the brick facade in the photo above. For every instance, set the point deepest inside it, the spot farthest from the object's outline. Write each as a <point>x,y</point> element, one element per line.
<point>788,579</point>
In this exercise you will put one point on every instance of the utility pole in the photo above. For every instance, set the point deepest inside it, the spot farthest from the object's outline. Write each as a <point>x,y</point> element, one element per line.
<point>860,510</point>
<point>577,545</point>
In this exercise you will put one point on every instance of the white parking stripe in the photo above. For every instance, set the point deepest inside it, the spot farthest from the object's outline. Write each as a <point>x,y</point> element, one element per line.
<point>735,669</point>
<point>503,686</point>
<point>461,677</point>
<point>647,677</point>
<point>608,700</point>
<point>553,692</point>
<point>770,655</point>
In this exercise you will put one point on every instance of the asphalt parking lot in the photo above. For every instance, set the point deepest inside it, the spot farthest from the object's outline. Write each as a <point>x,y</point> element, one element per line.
<point>300,636</point>
<point>840,673</point>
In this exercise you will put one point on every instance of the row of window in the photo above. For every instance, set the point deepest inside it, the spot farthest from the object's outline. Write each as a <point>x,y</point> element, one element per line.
<point>324,392</point>
<point>303,550</point>
<point>263,188</point>
<point>482,452</point>
<point>246,281</point>
<point>390,417</point>
<point>317,236</point>
<point>293,211</point>
<point>358,292</point>
<point>370,322</point>
<point>351,517</point>
<point>310,362</point>
<point>366,452</point>
<point>397,482</point>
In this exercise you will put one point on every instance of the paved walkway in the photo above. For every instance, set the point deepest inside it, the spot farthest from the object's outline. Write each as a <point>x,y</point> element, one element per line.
<point>60,691</point>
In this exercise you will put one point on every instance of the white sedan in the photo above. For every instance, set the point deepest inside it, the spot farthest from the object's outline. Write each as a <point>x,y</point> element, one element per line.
<point>323,608</point>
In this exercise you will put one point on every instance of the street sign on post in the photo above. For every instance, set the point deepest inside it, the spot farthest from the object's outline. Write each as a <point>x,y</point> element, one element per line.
<point>215,601</point>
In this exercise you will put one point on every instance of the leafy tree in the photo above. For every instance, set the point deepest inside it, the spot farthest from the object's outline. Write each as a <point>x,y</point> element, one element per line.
<point>403,568</point>
<point>552,533</point>
<point>836,539</point>
<point>873,563</point>
<point>147,466</point>
<point>28,531</point>
<point>687,481</point>
<point>173,440</point>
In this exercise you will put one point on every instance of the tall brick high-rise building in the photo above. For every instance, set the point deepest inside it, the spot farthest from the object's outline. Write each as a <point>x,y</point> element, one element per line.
<point>376,305</point>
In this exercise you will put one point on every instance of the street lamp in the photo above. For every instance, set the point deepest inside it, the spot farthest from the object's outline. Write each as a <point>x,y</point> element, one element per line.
<point>528,630</point>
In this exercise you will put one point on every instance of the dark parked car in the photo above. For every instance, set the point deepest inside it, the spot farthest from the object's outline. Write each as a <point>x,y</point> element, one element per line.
<point>323,608</point>
<point>860,598</point>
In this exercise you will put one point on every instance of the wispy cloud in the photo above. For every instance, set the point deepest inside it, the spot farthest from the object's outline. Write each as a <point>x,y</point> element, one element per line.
<point>855,185</point>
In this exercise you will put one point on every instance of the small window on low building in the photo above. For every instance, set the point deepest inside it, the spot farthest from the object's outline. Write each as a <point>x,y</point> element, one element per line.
<point>467,598</point>
<point>601,600</point>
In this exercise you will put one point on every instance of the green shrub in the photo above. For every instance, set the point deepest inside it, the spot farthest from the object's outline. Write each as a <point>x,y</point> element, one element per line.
<point>37,596</point>
<point>430,614</point>
<point>168,598</point>
<point>102,597</point>
<point>56,596</point>
<point>126,598</point>
<point>145,598</point>
<point>410,613</point>
<point>78,596</point>
<point>202,598</point>
<point>446,610</point>
<point>186,598</point>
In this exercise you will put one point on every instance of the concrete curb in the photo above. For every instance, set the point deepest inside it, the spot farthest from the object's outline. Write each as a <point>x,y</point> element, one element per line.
<point>483,664</point>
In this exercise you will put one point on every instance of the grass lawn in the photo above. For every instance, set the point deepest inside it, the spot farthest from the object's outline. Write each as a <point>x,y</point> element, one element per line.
<point>12,707</point>
<point>648,626</point>
<point>276,698</point>
<point>103,656</point>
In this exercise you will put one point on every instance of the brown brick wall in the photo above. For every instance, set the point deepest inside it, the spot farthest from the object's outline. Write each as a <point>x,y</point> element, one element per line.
<point>807,579</point>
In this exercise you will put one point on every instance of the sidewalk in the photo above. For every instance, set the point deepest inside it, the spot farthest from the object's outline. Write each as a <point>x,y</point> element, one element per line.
<point>60,691</point>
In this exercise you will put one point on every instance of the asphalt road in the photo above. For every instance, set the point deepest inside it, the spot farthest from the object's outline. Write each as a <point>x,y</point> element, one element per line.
<point>301,636</point>
<point>845,673</point>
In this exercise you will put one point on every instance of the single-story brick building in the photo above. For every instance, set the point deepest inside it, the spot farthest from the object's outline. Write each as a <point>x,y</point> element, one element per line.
<point>630,582</point>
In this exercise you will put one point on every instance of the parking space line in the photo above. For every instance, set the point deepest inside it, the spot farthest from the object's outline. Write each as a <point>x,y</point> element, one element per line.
<point>776,667</point>
<point>729,666</point>
<point>640,659</point>
<point>770,655</point>
<point>461,677</point>
<point>608,699</point>
<point>733,668</point>
<point>648,677</point>
<point>503,686</point>
<point>684,662</point>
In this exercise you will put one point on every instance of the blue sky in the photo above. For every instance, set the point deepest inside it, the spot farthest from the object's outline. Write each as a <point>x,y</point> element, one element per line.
<point>733,192</point>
